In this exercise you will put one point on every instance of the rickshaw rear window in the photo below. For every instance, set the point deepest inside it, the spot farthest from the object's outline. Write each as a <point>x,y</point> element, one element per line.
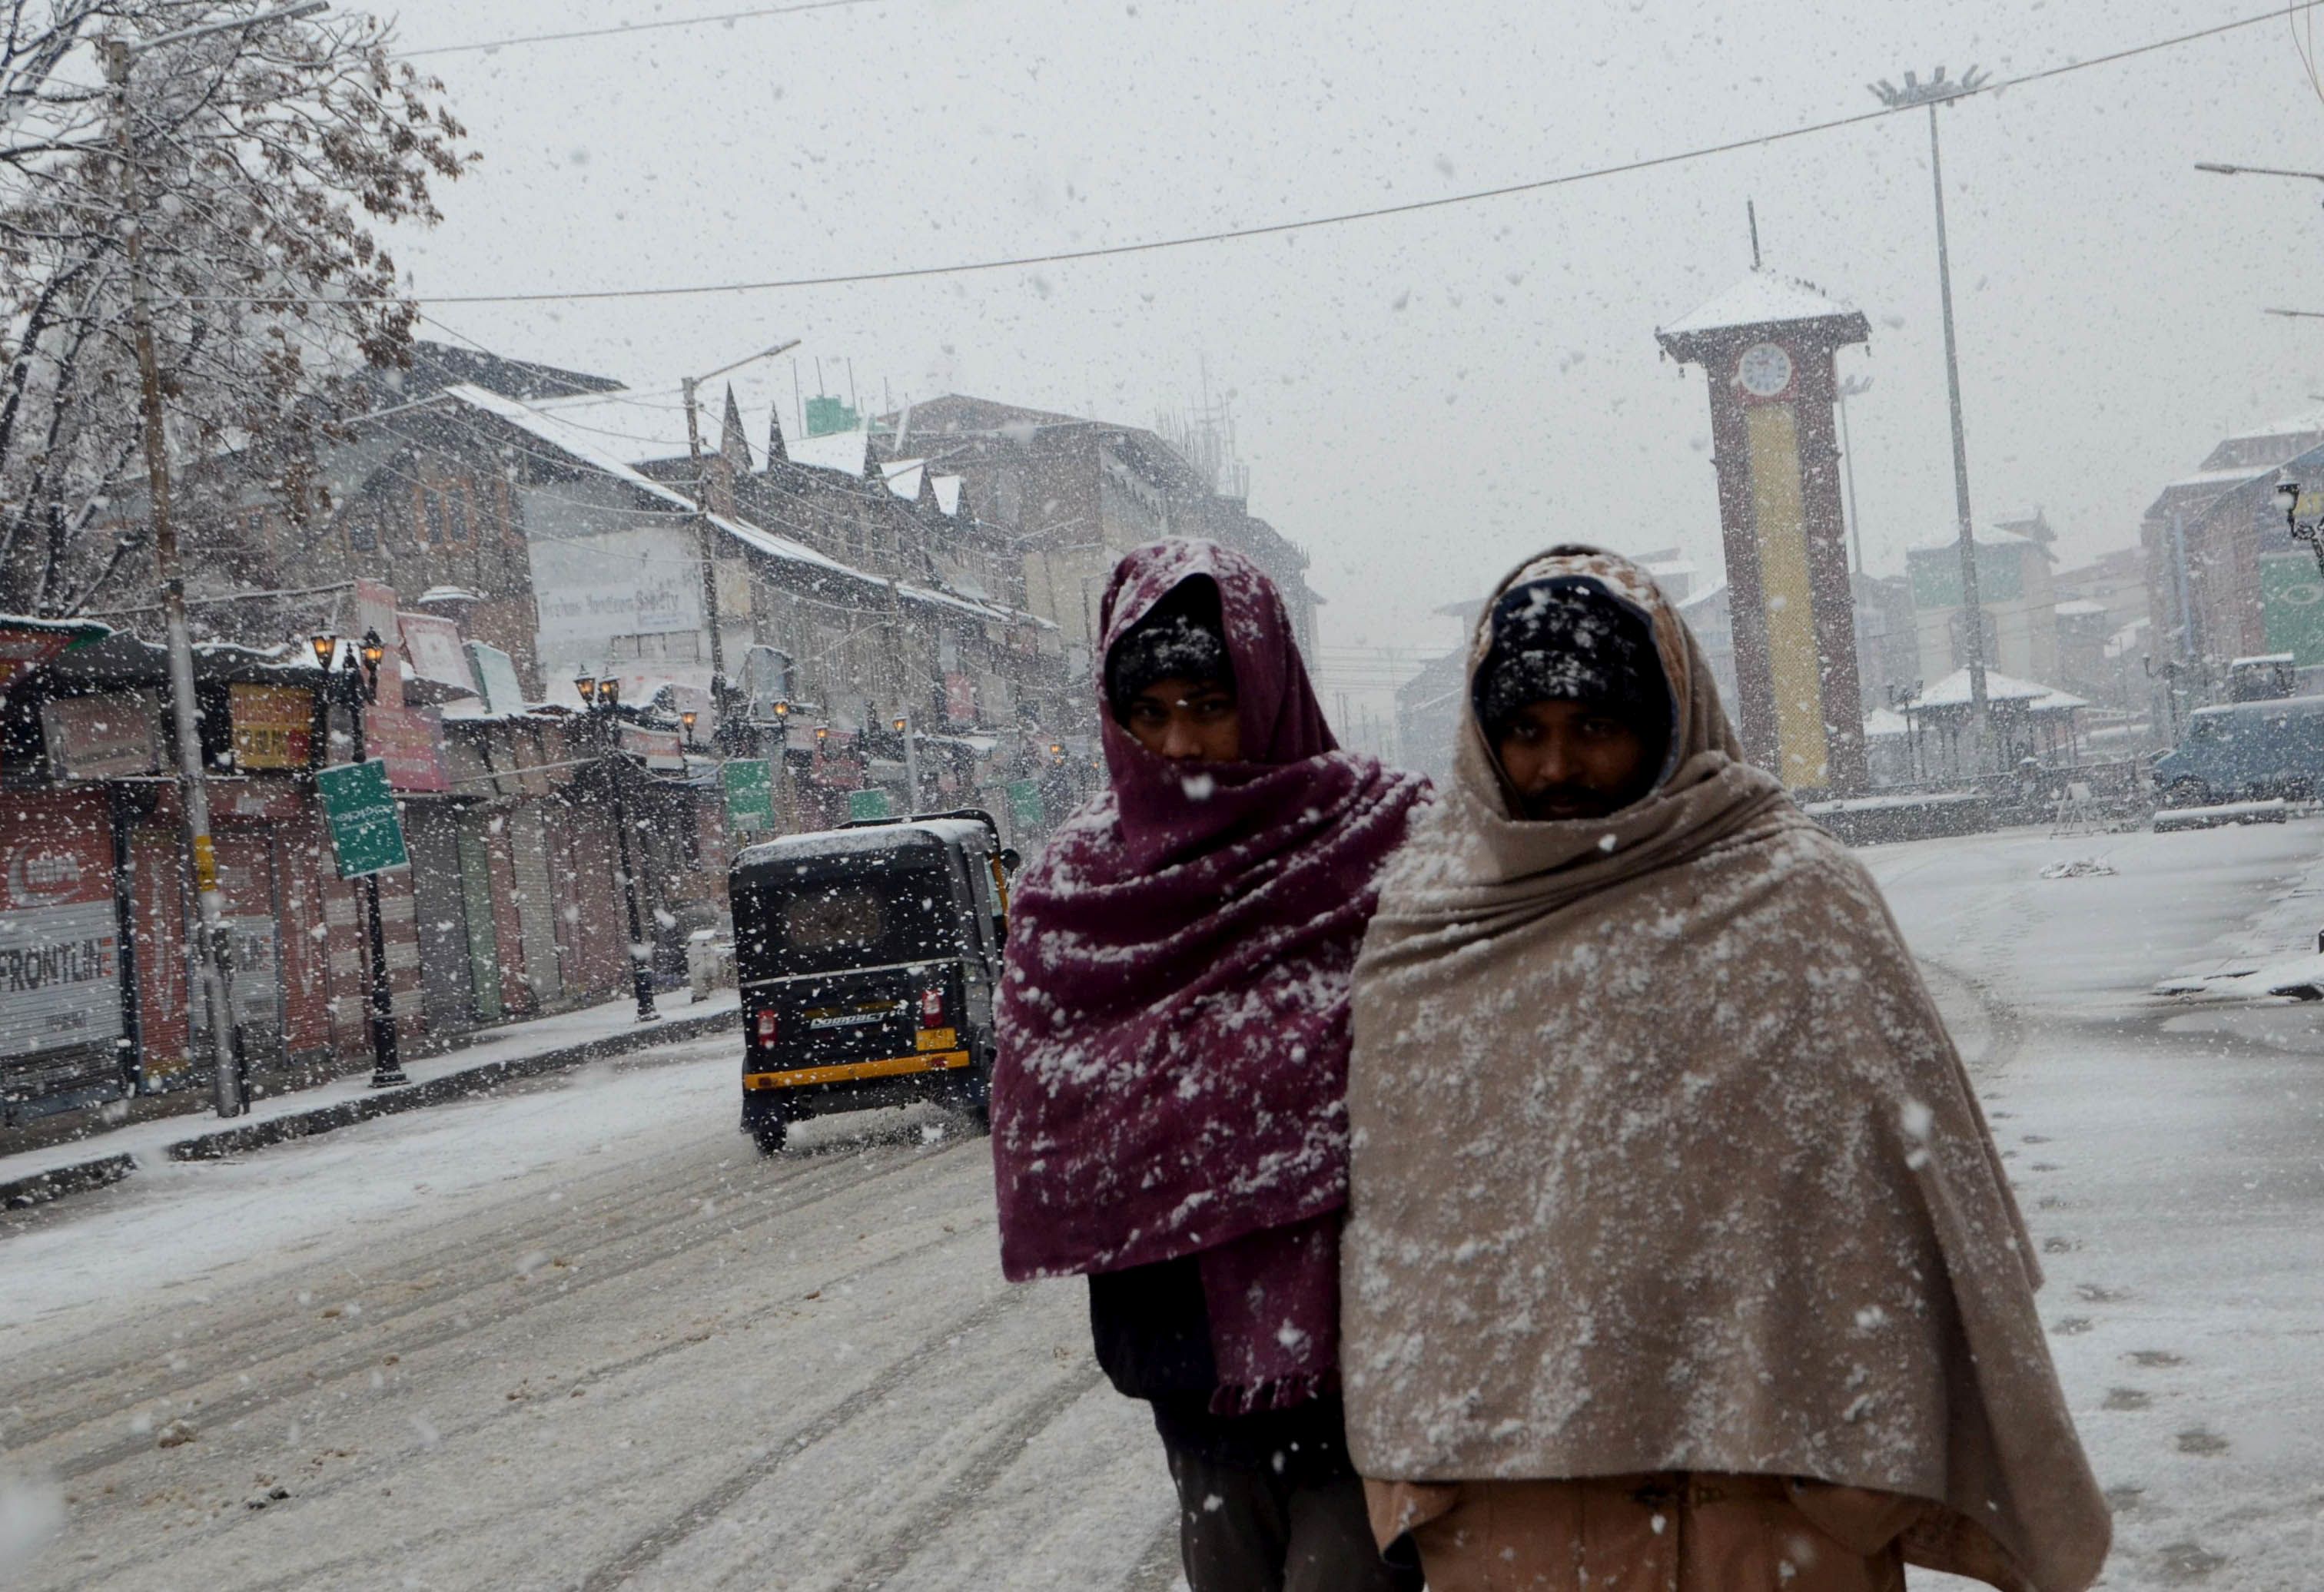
<point>833,916</point>
<point>871,918</point>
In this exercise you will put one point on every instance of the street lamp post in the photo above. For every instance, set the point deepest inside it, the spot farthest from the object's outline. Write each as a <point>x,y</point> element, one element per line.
<point>355,687</point>
<point>911,764</point>
<point>1932,94</point>
<point>601,699</point>
<point>1852,387</point>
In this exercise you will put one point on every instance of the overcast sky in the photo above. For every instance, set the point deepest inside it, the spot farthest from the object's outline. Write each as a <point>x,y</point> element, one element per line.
<point>1423,400</point>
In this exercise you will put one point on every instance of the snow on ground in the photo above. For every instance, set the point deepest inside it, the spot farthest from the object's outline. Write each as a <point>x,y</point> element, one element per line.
<point>580,1335</point>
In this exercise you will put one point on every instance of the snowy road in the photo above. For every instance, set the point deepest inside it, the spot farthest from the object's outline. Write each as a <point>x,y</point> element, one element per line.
<point>580,1335</point>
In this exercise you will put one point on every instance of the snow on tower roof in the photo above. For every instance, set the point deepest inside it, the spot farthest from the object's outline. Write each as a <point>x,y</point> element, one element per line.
<point>844,451</point>
<point>1761,296</point>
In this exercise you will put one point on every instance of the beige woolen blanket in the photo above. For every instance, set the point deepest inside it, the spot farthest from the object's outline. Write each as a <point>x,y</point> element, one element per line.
<point>1664,1161</point>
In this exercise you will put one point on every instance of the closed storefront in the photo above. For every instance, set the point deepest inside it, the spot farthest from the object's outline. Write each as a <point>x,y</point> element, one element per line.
<point>476,901</point>
<point>536,906</point>
<point>447,987</point>
<point>60,997</point>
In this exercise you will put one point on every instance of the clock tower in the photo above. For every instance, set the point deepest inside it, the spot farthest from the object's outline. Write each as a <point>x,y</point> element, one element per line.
<point>1767,344</point>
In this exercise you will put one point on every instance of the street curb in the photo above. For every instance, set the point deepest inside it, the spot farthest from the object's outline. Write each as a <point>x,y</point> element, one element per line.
<point>41,1187</point>
<point>38,1188</point>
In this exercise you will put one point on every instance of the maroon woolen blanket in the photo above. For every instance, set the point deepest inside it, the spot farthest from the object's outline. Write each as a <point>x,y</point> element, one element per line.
<point>1172,1070</point>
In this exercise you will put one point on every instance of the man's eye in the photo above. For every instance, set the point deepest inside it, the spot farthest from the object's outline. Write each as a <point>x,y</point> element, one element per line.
<point>1213,709</point>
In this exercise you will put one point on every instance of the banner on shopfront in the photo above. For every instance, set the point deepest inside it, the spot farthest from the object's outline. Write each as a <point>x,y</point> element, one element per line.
<point>59,942</point>
<point>113,735</point>
<point>872,802</point>
<point>432,643</point>
<point>656,748</point>
<point>410,741</point>
<point>1025,812</point>
<point>366,834</point>
<point>273,726</point>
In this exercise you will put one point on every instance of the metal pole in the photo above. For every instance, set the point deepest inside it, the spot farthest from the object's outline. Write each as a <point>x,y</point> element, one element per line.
<point>386,1053</point>
<point>1847,463</point>
<point>706,550</point>
<point>640,967</point>
<point>213,957</point>
<point>1972,611</point>
<point>911,769</point>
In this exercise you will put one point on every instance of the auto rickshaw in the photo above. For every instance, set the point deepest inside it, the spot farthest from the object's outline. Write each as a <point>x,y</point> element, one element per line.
<point>868,957</point>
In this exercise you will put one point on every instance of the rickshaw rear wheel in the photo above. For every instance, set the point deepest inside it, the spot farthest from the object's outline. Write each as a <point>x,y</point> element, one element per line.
<point>768,1133</point>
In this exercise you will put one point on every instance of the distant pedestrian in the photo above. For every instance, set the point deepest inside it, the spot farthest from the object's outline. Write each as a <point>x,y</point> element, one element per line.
<point>1679,1255</point>
<point>1169,1106</point>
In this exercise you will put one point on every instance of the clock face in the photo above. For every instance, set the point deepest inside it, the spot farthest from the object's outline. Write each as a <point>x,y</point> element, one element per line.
<point>1764,370</point>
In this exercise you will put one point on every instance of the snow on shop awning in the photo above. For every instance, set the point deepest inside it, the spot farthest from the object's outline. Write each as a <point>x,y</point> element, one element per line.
<point>1953,691</point>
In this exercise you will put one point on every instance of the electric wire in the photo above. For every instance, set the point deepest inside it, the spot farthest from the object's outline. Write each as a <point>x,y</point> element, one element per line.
<point>1309,223</point>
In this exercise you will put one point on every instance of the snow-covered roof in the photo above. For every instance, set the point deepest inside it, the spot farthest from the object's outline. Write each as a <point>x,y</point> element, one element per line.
<point>2078,607</point>
<point>1989,536</point>
<point>1759,297</point>
<point>1953,691</point>
<point>844,451</point>
<point>947,491</point>
<point>1886,720</point>
<point>904,476</point>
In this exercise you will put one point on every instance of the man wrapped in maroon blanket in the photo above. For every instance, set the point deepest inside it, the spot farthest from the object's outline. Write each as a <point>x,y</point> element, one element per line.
<point>1169,1113</point>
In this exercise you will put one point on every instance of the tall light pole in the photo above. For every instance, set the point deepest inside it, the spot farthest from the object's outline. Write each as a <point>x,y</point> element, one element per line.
<point>705,546</point>
<point>911,764</point>
<point>212,956</point>
<point>356,688</point>
<point>1932,94</point>
<point>601,699</point>
<point>1852,387</point>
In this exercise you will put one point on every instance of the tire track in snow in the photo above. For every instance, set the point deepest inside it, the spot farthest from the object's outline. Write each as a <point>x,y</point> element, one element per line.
<point>642,1554</point>
<point>384,1467</point>
<point>645,1247</point>
<point>978,1469</point>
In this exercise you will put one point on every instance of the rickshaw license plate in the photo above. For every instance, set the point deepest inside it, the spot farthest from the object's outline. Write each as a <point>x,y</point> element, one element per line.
<point>937,1039</point>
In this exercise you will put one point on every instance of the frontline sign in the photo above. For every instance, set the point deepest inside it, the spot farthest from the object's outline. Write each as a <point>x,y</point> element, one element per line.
<point>60,944</point>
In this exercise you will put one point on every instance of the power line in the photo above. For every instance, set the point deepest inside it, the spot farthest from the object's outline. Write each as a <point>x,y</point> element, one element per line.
<point>1301,224</point>
<point>675,22</point>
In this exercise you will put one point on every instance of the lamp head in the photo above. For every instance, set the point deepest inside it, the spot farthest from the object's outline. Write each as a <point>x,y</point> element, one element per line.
<point>609,692</point>
<point>586,685</point>
<point>374,649</point>
<point>687,719</point>
<point>2287,497</point>
<point>324,646</point>
<point>783,710</point>
<point>823,732</point>
<point>902,723</point>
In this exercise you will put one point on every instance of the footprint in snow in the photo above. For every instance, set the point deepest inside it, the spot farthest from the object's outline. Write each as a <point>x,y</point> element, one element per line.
<point>2092,1294</point>
<point>2200,1441</point>
<point>2071,1326</point>
<point>2153,1357</point>
<point>2127,1398</point>
<point>2184,1563</point>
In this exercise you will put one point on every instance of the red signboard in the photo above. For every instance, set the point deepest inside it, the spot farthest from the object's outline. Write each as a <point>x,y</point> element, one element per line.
<point>24,650</point>
<point>960,699</point>
<point>59,945</point>
<point>410,741</point>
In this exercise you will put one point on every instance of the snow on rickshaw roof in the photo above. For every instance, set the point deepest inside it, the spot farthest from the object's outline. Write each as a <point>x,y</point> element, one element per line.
<point>871,841</point>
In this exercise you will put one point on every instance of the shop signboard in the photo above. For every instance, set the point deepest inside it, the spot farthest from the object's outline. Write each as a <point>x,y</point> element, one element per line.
<point>410,741</point>
<point>273,726</point>
<point>366,834</point>
<point>870,802</point>
<point>496,676</point>
<point>663,749</point>
<point>750,785</point>
<point>960,699</point>
<point>60,942</point>
<point>432,643</point>
<point>27,645</point>
<point>113,735</point>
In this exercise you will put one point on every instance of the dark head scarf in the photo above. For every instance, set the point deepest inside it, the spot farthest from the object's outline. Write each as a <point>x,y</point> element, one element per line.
<point>1181,637</point>
<point>1173,1019</point>
<point>1568,638</point>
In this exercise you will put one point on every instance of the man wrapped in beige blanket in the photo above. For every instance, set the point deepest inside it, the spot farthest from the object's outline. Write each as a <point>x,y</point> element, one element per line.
<point>1678,1252</point>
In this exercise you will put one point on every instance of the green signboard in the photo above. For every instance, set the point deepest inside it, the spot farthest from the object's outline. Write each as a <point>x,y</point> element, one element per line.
<point>1025,804</point>
<point>2291,606</point>
<point>867,803</point>
<point>750,785</point>
<point>366,833</point>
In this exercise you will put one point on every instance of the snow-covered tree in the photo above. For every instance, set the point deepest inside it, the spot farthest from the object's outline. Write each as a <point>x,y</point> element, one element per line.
<point>264,159</point>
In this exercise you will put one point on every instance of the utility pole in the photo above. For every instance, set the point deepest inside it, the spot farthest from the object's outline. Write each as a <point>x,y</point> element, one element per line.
<point>1851,388</point>
<point>912,802</point>
<point>1932,94</point>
